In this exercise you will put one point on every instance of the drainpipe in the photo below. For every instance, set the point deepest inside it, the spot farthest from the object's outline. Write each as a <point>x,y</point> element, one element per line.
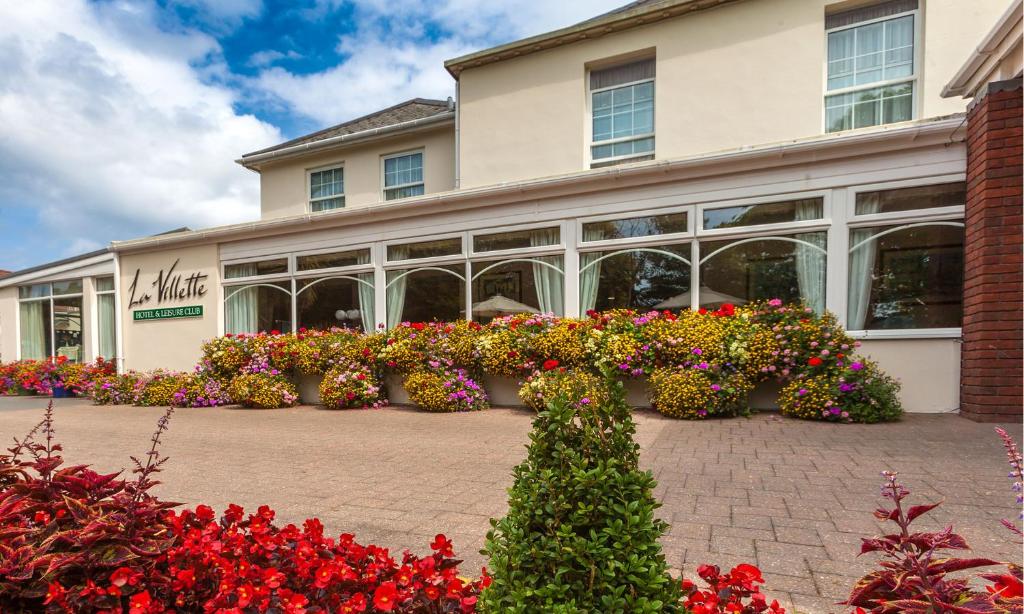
<point>458,148</point>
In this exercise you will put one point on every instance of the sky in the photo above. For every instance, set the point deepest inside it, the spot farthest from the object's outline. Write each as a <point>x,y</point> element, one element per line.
<point>120,119</point>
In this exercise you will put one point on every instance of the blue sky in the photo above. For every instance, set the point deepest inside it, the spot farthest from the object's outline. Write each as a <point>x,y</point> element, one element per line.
<point>121,118</point>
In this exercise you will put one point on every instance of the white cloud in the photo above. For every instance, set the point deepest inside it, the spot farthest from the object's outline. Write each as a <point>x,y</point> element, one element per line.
<point>108,125</point>
<point>272,56</point>
<point>392,56</point>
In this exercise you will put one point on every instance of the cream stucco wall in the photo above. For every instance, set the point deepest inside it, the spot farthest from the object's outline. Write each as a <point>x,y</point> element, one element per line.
<point>284,185</point>
<point>173,343</point>
<point>928,369</point>
<point>8,324</point>
<point>744,74</point>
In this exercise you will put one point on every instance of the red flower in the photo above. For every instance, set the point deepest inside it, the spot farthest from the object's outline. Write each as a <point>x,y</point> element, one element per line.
<point>417,325</point>
<point>245,594</point>
<point>432,592</point>
<point>385,596</point>
<point>125,575</point>
<point>550,364</point>
<point>443,545</point>
<point>814,361</point>
<point>275,332</point>
<point>140,603</point>
<point>55,593</point>
<point>355,603</point>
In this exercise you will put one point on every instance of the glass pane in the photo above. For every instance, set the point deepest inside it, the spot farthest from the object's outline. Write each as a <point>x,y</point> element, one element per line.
<point>326,183</point>
<point>635,227</point>
<point>34,291</point>
<point>105,319</point>
<point>767,213</point>
<point>912,199</point>
<point>104,284</point>
<point>35,326</point>
<point>67,328</point>
<point>325,303</point>
<point>327,204</point>
<point>262,308</point>
<point>643,279</point>
<point>425,249</point>
<point>517,239</point>
<point>907,278</point>
<point>332,260</point>
<point>403,169</point>
<point>72,286</point>
<point>426,294</point>
<point>773,267</point>
<point>406,192</point>
<point>250,269</point>
<point>504,288</point>
<point>622,112</point>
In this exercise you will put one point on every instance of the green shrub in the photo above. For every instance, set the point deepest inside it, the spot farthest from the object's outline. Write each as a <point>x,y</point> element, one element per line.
<point>580,534</point>
<point>577,386</point>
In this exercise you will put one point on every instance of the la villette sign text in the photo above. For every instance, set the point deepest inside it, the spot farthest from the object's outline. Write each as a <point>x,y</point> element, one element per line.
<point>169,286</point>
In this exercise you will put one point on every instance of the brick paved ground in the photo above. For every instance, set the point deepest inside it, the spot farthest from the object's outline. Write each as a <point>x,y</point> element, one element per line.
<point>793,496</point>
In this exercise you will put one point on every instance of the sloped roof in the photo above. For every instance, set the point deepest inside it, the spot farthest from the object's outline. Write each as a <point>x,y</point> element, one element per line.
<point>410,110</point>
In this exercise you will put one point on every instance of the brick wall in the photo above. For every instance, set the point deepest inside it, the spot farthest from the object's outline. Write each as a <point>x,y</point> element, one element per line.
<point>992,374</point>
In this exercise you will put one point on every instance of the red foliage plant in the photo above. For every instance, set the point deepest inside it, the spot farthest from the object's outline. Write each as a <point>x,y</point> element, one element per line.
<point>914,571</point>
<point>73,540</point>
<point>737,591</point>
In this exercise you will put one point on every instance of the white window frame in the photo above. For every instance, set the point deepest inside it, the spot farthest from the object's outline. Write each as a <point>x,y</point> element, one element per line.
<point>309,187</point>
<point>537,250</point>
<point>354,268</point>
<point>53,329</point>
<point>663,239</point>
<point>914,78</point>
<point>95,319</point>
<point>383,183</point>
<point>761,230</point>
<point>590,124</point>
<point>234,281</point>
<point>415,262</point>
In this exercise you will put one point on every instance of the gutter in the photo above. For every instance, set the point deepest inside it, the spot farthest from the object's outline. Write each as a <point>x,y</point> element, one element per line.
<point>253,161</point>
<point>959,84</point>
<point>945,127</point>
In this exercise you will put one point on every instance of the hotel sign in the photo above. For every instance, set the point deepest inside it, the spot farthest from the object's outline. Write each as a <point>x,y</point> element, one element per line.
<point>167,313</point>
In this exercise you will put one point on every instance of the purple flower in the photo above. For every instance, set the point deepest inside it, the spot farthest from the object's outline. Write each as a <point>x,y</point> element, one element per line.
<point>697,351</point>
<point>856,366</point>
<point>716,387</point>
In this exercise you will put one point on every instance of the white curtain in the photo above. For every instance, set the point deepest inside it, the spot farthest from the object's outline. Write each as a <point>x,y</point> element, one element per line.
<point>33,330</point>
<point>366,302</point>
<point>241,313</point>
<point>840,59</point>
<point>590,270</point>
<point>396,287</point>
<point>862,268</point>
<point>548,281</point>
<point>810,262</point>
<point>107,341</point>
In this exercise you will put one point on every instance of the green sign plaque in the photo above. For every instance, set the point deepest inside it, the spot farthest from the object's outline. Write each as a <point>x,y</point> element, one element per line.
<point>167,313</point>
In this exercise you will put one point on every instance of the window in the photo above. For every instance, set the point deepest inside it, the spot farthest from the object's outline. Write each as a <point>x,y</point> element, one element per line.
<point>790,268</point>
<point>622,113</point>
<point>258,307</point>
<point>335,301</point>
<point>105,320</point>
<point>327,189</point>
<point>50,320</point>
<point>427,293</point>
<point>871,74</point>
<point>642,278</point>
<point>518,285</point>
<point>907,273</point>
<point>765,213</point>
<point>634,227</point>
<point>517,239</point>
<point>332,260</point>
<point>403,176</point>
<point>425,249</point>
<point>256,269</point>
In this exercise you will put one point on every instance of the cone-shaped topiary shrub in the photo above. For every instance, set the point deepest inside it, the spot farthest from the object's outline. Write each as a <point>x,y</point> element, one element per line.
<point>580,534</point>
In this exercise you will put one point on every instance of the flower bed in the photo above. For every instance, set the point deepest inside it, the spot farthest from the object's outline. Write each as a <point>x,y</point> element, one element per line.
<point>696,364</point>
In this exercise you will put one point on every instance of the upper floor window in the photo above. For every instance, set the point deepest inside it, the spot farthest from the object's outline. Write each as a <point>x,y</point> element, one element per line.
<point>403,175</point>
<point>327,189</point>
<point>871,69</point>
<point>622,112</point>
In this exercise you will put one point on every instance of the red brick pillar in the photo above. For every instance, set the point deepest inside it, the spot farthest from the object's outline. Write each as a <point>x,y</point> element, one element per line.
<point>992,373</point>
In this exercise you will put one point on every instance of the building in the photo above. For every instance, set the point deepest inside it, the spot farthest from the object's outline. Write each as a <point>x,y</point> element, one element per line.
<point>669,154</point>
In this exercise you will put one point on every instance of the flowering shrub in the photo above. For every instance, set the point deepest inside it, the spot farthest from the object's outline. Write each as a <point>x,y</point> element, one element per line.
<point>351,386</point>
<point>697,391</point>
<point>914,573</point>
<point>445,388</point>
<point>201,389</point>
<point>43,376</point>
<point>857,392</point>
<point>123,389</point>
<point>263,390</point>
<point>577,387</point>
<point>158,388</point>
<point>736,591</point>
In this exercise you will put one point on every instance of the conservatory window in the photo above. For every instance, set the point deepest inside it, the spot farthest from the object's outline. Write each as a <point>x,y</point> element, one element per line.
<point>516,239</point>
<point>336,301</point>
<point>531,284</point>
<point>426,293</point>
<point>911,199</point>
<point>275,266</point>
<point>635,227</point>
<point>262,307</point>
<point>763,213</point>
<point>871,72</point>
<point>403,176</point>
<point>50,320</point>
<point>738,271</point>
<point>425,249</point>
<point>105,319</point>
<point>332,260</point>
<point>327,189</point>
<point>640,278</point>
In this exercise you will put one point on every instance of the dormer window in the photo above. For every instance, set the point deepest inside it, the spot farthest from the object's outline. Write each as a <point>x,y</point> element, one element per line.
<point>622,112</point>
<point>327,189</point>
<point>871,66</point>
<point>403,175</point>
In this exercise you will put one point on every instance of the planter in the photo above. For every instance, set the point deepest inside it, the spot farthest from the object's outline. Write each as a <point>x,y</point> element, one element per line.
<point>308,387</point>
<point>395,391</point>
